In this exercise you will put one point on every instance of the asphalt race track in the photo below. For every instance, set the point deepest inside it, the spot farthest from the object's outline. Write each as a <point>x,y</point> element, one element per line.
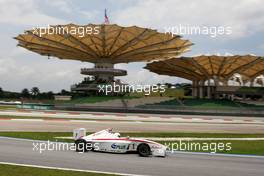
<point>54,121</point>
<point>66,126</point>
<point>21,151</point>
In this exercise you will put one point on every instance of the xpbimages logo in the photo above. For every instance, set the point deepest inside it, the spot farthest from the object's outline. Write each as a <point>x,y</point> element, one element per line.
<point>196,146</point>
<point>212,31</point>
<point>63,146</point>
<point>125,88</point>
<point>80,31</point>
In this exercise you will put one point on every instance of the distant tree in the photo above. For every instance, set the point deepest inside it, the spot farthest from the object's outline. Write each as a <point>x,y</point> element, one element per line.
<point>187,87</point>
<point>35,91</point>
<point>1,92</point>
<point>25,93</point>
<point>64,92</point>
<point>50,95</point>
<point>46,95</point>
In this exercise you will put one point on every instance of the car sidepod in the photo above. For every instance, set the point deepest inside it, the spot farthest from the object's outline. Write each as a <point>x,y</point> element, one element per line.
<point>112,146</point>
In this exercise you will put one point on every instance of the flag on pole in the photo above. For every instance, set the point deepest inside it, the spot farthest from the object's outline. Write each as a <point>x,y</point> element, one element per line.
<point>106,20</point>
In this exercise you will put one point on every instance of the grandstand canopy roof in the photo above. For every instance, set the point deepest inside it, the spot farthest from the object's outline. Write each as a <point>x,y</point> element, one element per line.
<point>113,43</point>
<point>206,67</point>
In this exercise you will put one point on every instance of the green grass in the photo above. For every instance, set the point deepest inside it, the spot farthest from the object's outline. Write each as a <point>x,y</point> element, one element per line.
<point>238,147</point>
<point>247,147</point>
<point>39,135</point>
<point>208,104</point>
<point>51,135</point>
<point>96,99</point>
<point>200,135</point>
<point>251,90</point>
<point>4,107</point>
<point>10,170</point>
<point>169,92</point>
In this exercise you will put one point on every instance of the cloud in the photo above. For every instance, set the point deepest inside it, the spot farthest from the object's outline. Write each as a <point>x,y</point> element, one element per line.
<point>90,15</point>
<point>25,12</point>
<point>245,17</point>
<point>261,46</point>
<point>62,5</point>
<point>136,74</point>
<point>26,71</point>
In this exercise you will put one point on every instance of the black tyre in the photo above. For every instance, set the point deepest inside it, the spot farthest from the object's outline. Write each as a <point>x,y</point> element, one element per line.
<point>143,150</point>
<point>80,146</point>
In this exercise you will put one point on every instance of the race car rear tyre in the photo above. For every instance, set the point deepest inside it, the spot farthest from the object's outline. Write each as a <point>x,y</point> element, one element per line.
<point>80,146</point>
<point>143,150</point>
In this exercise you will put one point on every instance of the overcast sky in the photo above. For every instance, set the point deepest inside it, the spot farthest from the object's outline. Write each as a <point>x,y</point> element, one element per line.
<point>20,68</point>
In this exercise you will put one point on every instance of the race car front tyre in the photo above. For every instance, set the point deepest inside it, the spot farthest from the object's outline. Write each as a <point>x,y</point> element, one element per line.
<point>80,146</point>
<point>143,150</point>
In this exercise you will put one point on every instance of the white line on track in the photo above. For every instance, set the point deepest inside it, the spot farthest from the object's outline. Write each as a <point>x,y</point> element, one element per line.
<point>69,169</point>
<point>29,120</point>
<point>217,154</point>
<point>202,139</point>
<point>84,121</point>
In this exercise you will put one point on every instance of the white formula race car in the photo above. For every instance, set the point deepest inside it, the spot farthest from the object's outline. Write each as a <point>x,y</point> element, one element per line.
<point>109,141</point>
